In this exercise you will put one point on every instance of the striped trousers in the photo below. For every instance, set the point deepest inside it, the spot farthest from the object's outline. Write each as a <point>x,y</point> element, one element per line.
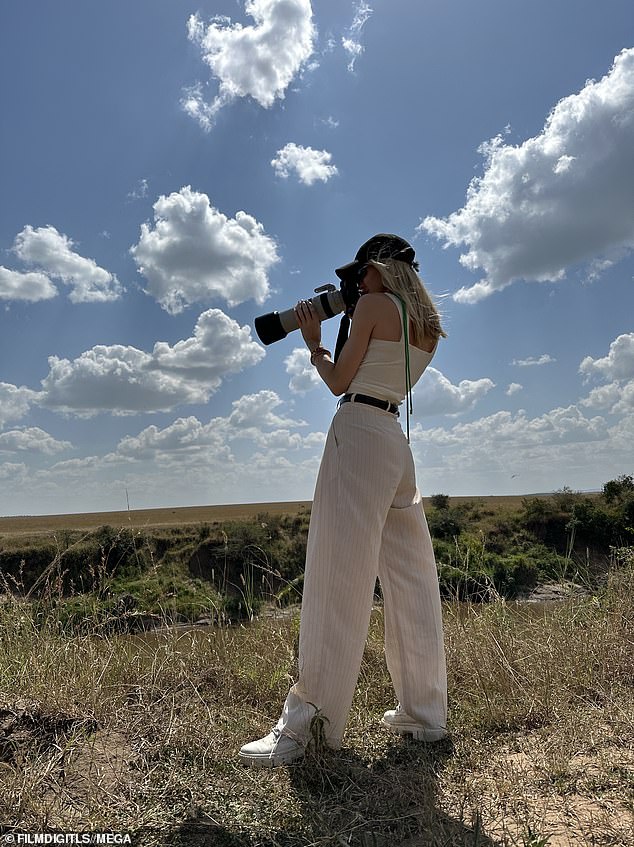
<point>367,520</point>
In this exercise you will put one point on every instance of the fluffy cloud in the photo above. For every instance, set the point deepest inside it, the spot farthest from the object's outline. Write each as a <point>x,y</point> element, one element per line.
<point>532,361</point>
<point>184,436</point>
<point>239,457</point>
<point>514,453</point>
<point>31,439</point>
<point>14,472</point>
<point>618,364</point>
<point>253,418</point>
<point>560,198</point>
<point>257,410</point>
<point>561,425</point>
<point>124,380</point>
<point>218,346</point>
<point>33,286</point>
<point>616,398</point>
<point>513,388</point>
<point>51,251</point>
<point>309,165</point>
<point>257,61</point>
<point>194,253</point>
<point>351,41</point>
<point>14,402</point>
<point>303,375</point>
<point>437,395</point>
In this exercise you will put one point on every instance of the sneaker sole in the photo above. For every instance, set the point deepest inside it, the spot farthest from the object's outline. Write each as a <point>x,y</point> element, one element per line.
<point>419,733</point>
<point>269,761</point>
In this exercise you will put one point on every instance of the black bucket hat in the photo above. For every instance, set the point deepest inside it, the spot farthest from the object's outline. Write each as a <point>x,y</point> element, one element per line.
<point>378,248</point>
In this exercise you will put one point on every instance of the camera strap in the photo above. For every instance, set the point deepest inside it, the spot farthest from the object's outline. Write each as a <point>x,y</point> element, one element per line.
<point>408,378</point>
<point>342,335</point>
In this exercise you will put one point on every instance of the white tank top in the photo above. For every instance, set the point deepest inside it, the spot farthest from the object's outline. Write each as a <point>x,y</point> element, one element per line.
<point>382,371</point>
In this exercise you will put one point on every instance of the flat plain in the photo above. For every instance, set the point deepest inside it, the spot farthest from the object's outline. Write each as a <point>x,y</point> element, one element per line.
<point>146,518</point>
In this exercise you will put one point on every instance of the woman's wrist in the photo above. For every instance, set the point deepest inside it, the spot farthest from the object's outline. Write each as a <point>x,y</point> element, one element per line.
<point>317,354</point>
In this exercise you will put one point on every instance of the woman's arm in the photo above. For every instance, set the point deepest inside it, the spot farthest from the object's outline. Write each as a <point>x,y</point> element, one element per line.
<point>339,376</point>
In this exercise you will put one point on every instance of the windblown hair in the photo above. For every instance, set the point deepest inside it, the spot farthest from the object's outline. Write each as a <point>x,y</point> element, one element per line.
<point>401,279</point>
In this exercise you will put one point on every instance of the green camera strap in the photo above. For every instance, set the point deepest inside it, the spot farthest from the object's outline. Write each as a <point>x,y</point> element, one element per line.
<point>408,379</point>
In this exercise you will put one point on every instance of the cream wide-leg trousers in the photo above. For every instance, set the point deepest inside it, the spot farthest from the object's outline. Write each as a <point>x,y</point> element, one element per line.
<point>367,519</point>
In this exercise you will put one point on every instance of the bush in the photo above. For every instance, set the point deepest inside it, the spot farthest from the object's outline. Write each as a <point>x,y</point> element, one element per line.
<point>439,501</point>
<point>619,489</point>
<point>447,523</point>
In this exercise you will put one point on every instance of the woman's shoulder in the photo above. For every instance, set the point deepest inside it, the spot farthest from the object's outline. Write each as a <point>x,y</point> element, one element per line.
<point>373,301</point>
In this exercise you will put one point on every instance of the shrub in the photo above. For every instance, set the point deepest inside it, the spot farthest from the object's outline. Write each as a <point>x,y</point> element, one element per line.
<point>439,501</point>
<point>619,489</point>
<point>447,523</point>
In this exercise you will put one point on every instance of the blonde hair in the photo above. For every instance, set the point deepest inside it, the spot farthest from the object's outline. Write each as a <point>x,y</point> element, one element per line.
<point>403,281</point>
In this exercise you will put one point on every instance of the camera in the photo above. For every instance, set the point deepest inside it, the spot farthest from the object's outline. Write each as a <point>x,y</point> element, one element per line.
<point>329,302</point>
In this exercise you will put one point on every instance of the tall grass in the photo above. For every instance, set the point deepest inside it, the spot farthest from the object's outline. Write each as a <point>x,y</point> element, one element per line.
<point>140,733</point>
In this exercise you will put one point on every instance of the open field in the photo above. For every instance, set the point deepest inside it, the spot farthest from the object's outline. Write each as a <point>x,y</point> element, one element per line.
<point>149,518</point>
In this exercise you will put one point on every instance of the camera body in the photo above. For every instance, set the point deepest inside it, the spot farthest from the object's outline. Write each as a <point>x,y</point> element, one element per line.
<point>329,302</point>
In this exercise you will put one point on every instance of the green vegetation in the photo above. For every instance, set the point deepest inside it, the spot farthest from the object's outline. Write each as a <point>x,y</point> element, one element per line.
<point>130,578</point>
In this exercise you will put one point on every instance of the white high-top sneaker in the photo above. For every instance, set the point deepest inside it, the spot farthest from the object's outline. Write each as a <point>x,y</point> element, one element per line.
<point>399,721</point>
<point>272,750</point>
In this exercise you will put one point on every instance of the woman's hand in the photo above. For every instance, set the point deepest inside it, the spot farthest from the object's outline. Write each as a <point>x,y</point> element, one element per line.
<point>308,323</point>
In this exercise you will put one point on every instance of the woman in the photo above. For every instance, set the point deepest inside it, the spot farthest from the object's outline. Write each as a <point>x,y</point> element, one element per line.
<point>367,519</point>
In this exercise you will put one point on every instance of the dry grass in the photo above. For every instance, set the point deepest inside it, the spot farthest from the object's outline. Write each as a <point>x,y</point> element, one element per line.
<point>139,734</point>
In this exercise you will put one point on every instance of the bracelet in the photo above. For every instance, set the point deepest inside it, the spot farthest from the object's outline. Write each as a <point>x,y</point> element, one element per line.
<point>318,353</point>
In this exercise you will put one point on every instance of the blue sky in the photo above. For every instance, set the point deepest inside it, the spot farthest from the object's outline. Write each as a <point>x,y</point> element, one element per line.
<point>169,171</point>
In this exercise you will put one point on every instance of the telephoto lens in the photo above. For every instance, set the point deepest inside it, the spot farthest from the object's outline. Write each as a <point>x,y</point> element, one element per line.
<point>276,325</point>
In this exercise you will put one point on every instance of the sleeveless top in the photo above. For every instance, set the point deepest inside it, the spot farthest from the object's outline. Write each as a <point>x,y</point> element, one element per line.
<point>382,371</point>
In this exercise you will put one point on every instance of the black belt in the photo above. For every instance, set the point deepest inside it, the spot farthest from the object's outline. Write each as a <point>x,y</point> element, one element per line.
<point>370,401</point>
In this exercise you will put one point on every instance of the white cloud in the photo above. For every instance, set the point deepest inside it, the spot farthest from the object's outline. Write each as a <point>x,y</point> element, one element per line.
<point>513,453</point>
<point>253,422</point>
<point>257,61</point>
<point>560,198</point>
<point>618,364</point>
<point>436,395</point>
<point>309,165</point>
<point>14,472</point>
<point>218,346</point>
<point>124,380</point>
<point>31,286</point>
<point>561,425</point>
<point>532,361</point>
<point>304,376</point>
<point>257,410</point>
<point>184,436</point>
<point>51,251</point>
<point>351,41</point>
<point>194,253</point>
<point>31,439</point>
<point>140,190</point>
<point>240,457</point>
<point>616,396</point>
<point>253,419</point>
<point>603,397</point>
<point>513,388</point>
<point>15,402</point>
